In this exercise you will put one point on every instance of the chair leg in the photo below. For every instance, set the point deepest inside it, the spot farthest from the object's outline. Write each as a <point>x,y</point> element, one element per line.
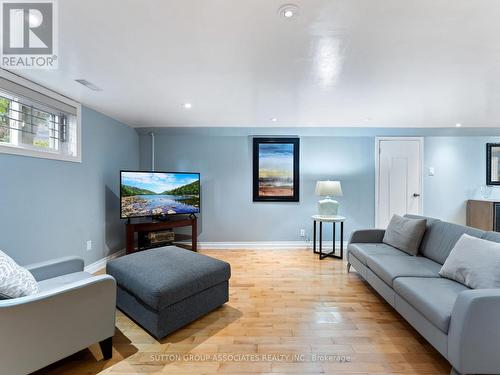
<point>348,267</point>
<point>107,348</point>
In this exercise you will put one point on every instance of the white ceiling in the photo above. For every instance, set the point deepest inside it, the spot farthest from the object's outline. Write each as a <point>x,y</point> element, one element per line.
<point>370,63</point>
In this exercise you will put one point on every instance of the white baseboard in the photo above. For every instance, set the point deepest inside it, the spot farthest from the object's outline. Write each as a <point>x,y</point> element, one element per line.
<point>265,245</point>
<point>261,245</point>
<point>255,245</point>
<point>101,263</point>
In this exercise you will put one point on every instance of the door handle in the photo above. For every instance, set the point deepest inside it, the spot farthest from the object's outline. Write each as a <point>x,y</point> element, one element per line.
<point>416,195</point>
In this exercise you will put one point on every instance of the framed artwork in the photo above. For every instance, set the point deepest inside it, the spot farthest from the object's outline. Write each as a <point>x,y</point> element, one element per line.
<point>493,164</point>
<point>276,169</point>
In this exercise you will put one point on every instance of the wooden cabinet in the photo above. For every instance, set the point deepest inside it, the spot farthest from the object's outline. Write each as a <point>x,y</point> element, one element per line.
<point>132,229</point>
<point>483,214</point>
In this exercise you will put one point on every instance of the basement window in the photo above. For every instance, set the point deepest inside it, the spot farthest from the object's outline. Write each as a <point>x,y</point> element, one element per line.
<point>37,122</point>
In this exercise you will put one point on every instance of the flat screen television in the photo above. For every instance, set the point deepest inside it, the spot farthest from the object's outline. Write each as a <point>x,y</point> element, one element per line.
<point>144,194</point>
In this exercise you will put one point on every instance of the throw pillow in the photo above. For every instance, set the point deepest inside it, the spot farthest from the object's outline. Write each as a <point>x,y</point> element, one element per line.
<point>15,281</point>
<point>473,262</point>
<point>405,234</point>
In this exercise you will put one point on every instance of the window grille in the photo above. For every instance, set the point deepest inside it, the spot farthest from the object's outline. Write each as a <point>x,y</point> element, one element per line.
<point>34,122</point>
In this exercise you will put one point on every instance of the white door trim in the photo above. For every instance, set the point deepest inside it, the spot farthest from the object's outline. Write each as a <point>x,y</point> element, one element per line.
<point>377,171</point>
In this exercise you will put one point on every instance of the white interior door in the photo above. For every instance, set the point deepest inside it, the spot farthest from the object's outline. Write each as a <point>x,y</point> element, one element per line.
<point>399,178</point>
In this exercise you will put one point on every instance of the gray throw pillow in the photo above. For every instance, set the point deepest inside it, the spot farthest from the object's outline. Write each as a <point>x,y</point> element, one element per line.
<point>405,234</point>
<point>15,281</point>
<point>473,262</point>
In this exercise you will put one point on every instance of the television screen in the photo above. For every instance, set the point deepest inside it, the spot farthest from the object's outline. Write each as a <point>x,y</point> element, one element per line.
<point>159,193</point>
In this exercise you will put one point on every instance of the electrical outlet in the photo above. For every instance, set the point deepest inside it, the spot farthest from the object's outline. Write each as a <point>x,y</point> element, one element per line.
<point>89,245</point>
<point>302,233</point>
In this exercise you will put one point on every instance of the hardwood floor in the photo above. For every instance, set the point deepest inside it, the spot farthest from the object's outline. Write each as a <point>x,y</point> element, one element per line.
<point>284,303</point>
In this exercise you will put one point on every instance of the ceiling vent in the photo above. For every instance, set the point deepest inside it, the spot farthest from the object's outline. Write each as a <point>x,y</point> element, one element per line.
<point>88,84</point>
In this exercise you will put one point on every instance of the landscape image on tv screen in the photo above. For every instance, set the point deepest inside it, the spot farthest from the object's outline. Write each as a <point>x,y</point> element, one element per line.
<point>159,193</point>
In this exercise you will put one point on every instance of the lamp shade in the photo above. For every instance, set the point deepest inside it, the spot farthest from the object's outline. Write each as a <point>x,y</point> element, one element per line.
<point>329,188</point>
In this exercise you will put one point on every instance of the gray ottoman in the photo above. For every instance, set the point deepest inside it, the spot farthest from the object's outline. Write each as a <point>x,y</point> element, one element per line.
<point>166,288</point>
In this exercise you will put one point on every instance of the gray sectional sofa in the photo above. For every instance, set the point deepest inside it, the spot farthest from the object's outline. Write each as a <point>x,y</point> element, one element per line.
<point>461,323</point>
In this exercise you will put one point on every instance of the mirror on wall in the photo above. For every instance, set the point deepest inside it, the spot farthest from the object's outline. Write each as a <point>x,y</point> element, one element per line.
<point>492,164</point>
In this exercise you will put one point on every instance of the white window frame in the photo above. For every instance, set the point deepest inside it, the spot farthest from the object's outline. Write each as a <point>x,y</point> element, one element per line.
<point>45,154</point>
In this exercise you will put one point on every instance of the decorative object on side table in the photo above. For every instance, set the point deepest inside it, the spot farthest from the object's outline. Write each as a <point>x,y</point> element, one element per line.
<point>276,169</point>
<point>328,189</point>
<point>485,191</point>
<point>334,220</point>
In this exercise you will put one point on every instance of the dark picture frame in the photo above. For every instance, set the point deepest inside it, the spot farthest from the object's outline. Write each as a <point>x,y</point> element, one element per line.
<point>490,150</point>
<point>284,148</point>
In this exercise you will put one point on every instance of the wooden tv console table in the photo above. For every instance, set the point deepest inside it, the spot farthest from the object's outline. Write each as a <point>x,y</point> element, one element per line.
<point>132,229</point>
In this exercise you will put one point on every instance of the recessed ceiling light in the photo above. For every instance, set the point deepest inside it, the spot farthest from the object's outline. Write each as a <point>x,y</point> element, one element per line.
<point>274,119</point>
<point>187,105</point>
<point>88,84</point>
<point>288,11</point>
<point>458,125</point>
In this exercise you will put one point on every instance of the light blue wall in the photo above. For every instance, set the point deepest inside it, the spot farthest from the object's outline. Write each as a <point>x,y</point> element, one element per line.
<point>224,158</point>
<point>225,164</point>
<point>51,208</point>
<point>460,170</point>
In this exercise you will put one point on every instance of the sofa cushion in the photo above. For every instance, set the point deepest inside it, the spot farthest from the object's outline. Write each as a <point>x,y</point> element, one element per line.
<point>63,280</point>
<point>474,262</point>
<point>389,267</point>
<point>161,277</point>
<point>434,298</point>
<point>15,281</point>
<point>429,221</point>
<point>362,250</point>
<point>492,236</point>
<point>440,238</point>
<point>405,233</point>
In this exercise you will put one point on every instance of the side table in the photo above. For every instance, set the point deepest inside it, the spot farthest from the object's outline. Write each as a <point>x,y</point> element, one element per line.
<point>328,219</point>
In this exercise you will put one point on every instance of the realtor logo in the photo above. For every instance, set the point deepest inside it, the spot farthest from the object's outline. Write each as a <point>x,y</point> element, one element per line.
<point>29,34</point>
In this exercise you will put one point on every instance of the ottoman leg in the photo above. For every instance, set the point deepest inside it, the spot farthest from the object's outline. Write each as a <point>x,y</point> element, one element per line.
<point>107,348</point>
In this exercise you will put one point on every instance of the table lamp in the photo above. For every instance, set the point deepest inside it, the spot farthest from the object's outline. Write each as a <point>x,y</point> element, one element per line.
<point>328,189</point>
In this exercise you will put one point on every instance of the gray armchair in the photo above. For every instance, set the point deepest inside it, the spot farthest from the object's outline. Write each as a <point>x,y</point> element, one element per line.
<point>72,310</point>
